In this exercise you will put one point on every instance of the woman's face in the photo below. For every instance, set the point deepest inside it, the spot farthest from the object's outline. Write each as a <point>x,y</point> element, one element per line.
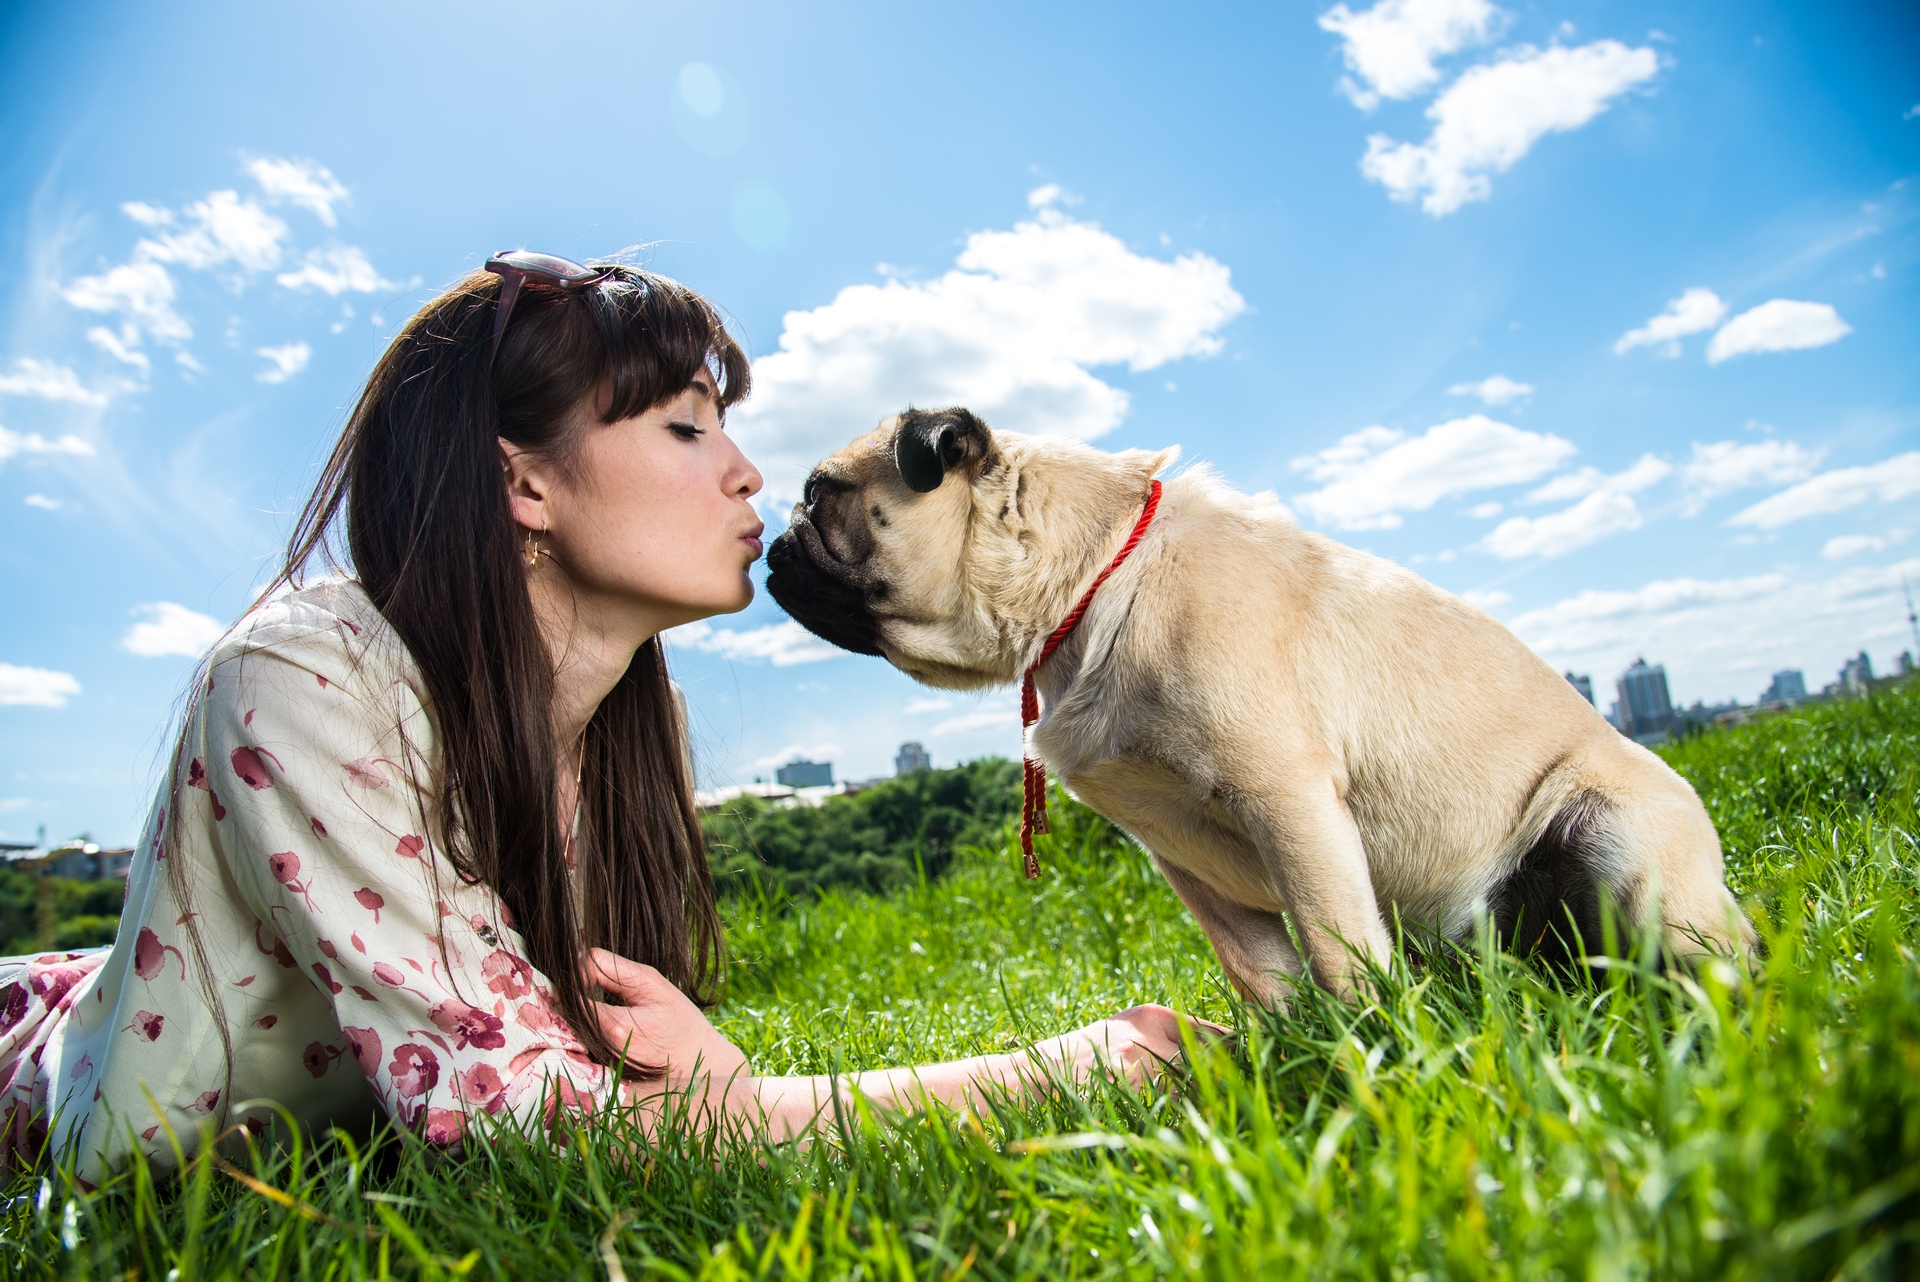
<point>651,516</point>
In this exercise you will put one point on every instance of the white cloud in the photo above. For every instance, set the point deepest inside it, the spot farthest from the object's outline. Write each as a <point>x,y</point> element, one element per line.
<point>140,291</point>
<point>170,629</point>
<point>1487,598</point>
<point>34,377</point>
<point>123,346</point>
<point>1491,117</point>
<point>937,703</point>
<point>1721,467</point>
<point>1011,332</point>
<point>1391,47</point>
<point>1497,390</point>
<point>335,270</point>
<point>1607,509</point>
<point>213,232</point>
<point>285,361</point>
<point>1486,511</point>
<point>12,443</point>
<point>1846,545</point>
<point>299,182</point>
<point>35,687</point>
<point>1724,637</point>
<point>1377,473</point>
<point>1695,310</point>
<point>784,644</point>
<point>1000,713</point>
<point>1835,491</point>
<point>1778,325</point>
<point>42,502</point>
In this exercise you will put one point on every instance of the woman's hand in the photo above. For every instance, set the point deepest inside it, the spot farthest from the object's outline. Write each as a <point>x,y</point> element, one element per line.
<point>657,1023</point>
<point>1136,1043</point>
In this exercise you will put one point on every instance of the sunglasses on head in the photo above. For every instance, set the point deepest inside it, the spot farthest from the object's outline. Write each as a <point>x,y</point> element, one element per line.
<point>516,267</point>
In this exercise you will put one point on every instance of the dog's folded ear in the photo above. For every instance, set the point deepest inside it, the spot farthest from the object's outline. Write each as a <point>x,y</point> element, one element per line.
<point>929,442</point>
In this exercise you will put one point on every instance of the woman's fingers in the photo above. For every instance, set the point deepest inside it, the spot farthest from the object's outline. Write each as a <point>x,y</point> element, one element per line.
<point>633,982</point>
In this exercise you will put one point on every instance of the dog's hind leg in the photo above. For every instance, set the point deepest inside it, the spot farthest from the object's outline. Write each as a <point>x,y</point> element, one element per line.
<point>1253,946</point>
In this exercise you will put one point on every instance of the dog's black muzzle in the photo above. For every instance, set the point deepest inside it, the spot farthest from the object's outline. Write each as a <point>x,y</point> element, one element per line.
<point>822,594</point>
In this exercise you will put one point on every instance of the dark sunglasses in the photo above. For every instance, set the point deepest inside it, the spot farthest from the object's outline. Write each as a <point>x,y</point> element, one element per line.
<point>516,267</point>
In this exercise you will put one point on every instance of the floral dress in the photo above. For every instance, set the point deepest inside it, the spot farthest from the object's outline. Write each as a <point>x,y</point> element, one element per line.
<point>341,967</point>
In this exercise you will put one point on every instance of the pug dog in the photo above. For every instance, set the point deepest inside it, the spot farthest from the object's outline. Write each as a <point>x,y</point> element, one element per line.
<point>1310,741</point>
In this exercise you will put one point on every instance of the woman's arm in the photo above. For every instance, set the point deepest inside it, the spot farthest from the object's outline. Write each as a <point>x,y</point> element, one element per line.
<point>661,1026</point>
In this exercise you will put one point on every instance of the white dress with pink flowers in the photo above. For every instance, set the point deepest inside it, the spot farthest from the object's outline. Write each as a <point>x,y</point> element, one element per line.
<point>355,969</point>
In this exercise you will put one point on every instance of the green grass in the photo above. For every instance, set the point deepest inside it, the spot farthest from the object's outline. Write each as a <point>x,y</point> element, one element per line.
<point>1478,1120</point>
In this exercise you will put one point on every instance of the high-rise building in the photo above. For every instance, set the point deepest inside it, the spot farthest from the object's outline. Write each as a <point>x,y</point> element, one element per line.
<point>1857,672</point>
<point>1646,710</point>
<point>1581,682</point>
<point>1789,686</point>
<point>805,774</point>
<point>910,758</point>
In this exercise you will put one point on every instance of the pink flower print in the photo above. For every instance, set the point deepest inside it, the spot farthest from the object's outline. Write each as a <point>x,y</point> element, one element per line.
<point>357,943</point>
<point>242,983</point>
<point>367,772</point>
<point>83,1069</point>
<point>146,1025</point>
<point>319,829</point>
<point>51,986</point>
<point>326,977</point>
<point>362,993</point>
<point>252,770</point>
<point>365,1045</point>
<point>149,955</point>
<point>481,1087</point>
<point>315,1058</point>
<point>409,847</point>
<point>265,1022</point>
<point>468,1025</point>
<point>16,1006</point>
<point>445,1126</point>
<point>149,1133</point>
<point>389,975</point>
<point>415,1069</point>
<point>507,975</point>
<point>369,898</point>
<point>248,719</point>
<point>196,775</point>
<point>278,951</point>
<point>204,1102</point>
<point>219,811</point>
<point>285,868</point>
<point>327,949</point>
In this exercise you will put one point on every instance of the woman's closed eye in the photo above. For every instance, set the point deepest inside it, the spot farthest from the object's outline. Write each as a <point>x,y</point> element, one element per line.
<point>686,431</point>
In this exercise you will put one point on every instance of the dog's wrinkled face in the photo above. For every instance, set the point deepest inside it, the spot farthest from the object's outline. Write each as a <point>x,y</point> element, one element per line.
<point>895,547</point>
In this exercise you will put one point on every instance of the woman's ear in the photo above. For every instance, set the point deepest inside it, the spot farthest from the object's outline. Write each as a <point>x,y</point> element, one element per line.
<point>526,484</point>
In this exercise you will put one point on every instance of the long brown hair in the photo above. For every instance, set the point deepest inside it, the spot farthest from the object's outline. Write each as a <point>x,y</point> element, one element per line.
<point>416,482</point>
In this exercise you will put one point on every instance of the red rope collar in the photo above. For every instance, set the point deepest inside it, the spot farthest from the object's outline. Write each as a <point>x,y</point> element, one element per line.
<point>1033,806</point>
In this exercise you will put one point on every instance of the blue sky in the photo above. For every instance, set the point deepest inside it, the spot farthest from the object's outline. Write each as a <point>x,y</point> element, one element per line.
<point>1601,313</point>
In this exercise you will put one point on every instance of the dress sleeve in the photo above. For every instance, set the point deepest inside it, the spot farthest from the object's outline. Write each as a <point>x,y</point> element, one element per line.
<point>314,758</point>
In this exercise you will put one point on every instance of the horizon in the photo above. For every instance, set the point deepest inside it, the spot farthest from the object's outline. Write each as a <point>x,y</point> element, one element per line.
<point>1600,315</point>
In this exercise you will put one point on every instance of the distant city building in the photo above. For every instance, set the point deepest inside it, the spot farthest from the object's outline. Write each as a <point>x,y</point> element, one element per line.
<point>910,758</point>
<point>1904,664</point>
<point>76,861</point>
<point>1789,686</point>
<point>1857,672</point>
<point>805,774</point>
<point>1646,709</point>
<point>1582,683</point>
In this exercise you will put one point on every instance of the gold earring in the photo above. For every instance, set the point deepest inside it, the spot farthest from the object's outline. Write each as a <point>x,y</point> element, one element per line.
<point>531,556</point>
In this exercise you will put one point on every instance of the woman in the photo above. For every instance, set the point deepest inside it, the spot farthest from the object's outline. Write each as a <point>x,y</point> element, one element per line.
<point>420,821</point>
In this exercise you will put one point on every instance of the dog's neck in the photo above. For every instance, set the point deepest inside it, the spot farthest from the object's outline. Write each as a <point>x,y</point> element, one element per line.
<point>1072,525</point>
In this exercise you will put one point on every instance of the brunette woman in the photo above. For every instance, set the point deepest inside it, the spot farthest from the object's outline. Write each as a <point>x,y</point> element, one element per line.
<point>421,820</point>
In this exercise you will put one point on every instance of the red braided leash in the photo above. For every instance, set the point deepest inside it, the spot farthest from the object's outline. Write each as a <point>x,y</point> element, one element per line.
<point>1033,806</point>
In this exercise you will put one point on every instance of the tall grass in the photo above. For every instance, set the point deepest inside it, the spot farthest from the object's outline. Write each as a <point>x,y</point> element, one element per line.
<point>1478,1119</point>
